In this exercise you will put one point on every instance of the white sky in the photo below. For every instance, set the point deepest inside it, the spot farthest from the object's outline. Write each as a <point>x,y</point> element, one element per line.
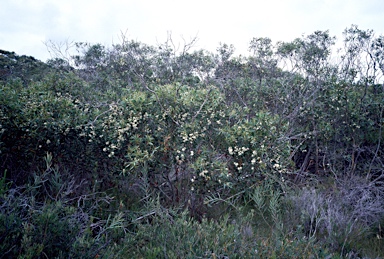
<point>26,24</point>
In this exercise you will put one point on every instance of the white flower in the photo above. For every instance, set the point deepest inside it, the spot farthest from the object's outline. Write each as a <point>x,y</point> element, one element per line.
<point>202,174</point>
<point>230,150</point>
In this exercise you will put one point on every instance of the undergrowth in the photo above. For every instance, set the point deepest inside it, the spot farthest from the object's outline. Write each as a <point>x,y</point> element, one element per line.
<point>42,219</point>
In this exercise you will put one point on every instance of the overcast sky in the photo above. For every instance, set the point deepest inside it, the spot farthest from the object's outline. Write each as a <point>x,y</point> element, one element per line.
<point>26,24</point>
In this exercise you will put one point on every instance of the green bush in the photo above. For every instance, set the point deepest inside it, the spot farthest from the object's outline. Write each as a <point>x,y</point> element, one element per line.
<point>142,151</point>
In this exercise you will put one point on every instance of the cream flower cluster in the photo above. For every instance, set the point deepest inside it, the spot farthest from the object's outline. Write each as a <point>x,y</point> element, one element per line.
<point>180,157</point>
<point>191,137</point>
<point>121,131</point>
<point>237,150</point>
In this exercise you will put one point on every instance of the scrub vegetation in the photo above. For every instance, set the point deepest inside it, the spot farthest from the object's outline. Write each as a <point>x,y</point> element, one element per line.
<point>138,151</point>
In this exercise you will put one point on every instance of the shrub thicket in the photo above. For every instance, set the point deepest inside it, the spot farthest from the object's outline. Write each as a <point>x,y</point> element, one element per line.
<point>149,152</point>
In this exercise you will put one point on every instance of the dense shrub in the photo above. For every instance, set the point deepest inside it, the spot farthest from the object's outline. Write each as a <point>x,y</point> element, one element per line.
<point>142,151</point>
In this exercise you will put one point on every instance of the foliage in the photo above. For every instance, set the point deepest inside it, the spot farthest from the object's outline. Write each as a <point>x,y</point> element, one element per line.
<point>45,219</point>
<point>25,68</point>
<point>159,151</point>
<point>341,218</point>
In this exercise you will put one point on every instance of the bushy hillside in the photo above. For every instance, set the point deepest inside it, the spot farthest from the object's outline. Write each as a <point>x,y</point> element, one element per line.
<point>138,151</point>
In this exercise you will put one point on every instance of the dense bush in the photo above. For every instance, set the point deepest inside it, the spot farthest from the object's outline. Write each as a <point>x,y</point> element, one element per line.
<point>143,151</point>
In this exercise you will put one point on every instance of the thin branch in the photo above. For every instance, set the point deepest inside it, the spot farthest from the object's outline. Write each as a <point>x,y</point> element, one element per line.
<point>202,105</point>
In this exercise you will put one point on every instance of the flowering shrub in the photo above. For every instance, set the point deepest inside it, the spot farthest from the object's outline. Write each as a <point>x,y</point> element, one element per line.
<point>143,133</point>
<point>256,148</point>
